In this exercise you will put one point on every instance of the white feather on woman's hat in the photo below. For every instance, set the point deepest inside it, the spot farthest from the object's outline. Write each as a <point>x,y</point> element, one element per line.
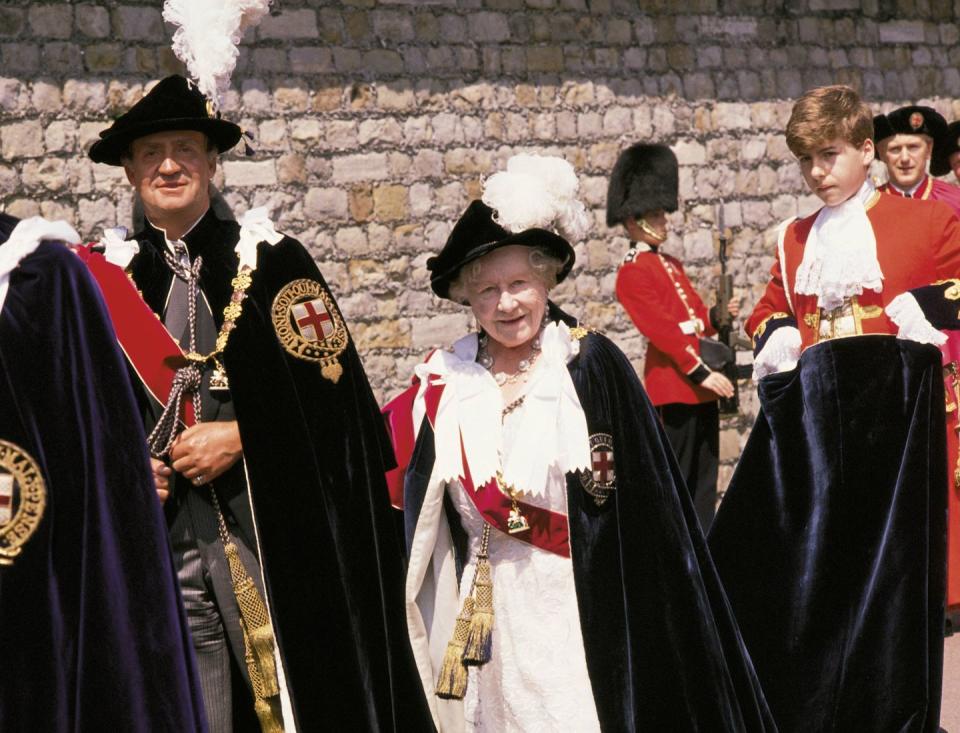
<point>207,37</point>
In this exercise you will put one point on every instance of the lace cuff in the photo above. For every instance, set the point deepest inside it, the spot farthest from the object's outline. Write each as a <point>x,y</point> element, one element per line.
<point>779,354</point>
<point>905,311</point>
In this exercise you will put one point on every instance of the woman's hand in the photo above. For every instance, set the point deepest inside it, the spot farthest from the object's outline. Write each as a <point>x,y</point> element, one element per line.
<point>718,384</point>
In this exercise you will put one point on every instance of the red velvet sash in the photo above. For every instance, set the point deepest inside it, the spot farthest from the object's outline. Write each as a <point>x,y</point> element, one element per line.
<point>548,530</point>
<point>149,347</point>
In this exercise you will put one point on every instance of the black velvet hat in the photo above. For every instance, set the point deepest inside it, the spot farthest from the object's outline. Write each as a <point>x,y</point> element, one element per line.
<point>477,234</point>
<point>645,178</point>
<point>173,104</point>
<point>943,148</point>
<point>911,120</point>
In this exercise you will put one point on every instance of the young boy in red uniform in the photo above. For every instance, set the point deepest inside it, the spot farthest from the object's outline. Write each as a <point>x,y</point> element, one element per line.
<point>663,304</point>
<point>830,540</point>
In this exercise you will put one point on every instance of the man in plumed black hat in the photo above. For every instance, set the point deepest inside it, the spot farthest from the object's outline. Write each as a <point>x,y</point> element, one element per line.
<point>663,304</point>
<point>905,140</point>
<point>274,491</point>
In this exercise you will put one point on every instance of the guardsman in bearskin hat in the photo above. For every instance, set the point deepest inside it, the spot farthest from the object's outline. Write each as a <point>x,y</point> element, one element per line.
<point>665,307</point>
<point>275,494</point>
<point>907,139</point>
<point>92,632</point>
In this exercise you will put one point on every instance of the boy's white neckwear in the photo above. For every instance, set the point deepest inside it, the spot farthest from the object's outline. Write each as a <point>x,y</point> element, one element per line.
<point>840,258</point>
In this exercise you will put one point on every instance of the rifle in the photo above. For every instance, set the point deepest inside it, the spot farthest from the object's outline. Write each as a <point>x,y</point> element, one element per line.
<point>726,334</point>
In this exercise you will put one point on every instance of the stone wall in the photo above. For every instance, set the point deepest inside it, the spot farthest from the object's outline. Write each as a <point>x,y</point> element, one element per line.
<point>376,119</point>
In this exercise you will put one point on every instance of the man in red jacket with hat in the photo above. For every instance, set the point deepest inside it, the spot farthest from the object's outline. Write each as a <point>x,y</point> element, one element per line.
<point>662,302</point>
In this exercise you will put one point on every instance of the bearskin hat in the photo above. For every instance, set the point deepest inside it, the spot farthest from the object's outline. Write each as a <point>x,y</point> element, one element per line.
<point>645,178</point>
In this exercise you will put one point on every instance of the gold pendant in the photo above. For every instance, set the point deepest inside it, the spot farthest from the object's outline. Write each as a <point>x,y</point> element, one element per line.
<point>516,522</point>
<point>332,371</point>
<point>219,381</point>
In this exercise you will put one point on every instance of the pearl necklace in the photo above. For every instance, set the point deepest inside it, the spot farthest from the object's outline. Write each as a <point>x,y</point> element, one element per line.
<point>524,366</point>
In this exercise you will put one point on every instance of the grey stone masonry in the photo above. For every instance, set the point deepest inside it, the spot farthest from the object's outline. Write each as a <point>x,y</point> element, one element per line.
<point>375,122</point>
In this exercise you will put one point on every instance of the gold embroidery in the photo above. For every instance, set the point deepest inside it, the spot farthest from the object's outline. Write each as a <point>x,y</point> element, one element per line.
<point>22,484</point>
<point>953,292</point>
<point>763,325</point>
<point>309,326</point>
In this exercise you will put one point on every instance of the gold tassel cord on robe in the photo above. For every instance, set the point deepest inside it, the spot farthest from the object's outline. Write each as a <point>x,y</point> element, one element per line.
<point>452,681</point>
<point>480,634</point>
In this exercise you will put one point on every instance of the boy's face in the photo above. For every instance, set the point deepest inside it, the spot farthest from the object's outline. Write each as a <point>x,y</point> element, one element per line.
<point>835,170</point>
<point>906,157</point>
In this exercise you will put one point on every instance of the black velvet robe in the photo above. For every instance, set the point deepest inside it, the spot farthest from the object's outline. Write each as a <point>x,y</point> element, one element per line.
<point>92,632</point>
<point>315,454</point>
<point>662,648</point>
<point>831,538</point>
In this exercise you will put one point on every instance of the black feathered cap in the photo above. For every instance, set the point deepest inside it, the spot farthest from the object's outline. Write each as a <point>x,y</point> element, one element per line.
<point>173,104</point>
<point>943,148</point>
<point>645,178</point>
<point>476,234</point>
<point>911,120</point>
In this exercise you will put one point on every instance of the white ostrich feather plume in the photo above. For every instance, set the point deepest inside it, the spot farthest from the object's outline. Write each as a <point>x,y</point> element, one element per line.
<point>537,191</point>
<point>207,37</point>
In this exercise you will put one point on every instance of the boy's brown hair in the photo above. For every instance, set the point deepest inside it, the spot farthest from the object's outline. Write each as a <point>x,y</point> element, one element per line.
<point>827,113</point>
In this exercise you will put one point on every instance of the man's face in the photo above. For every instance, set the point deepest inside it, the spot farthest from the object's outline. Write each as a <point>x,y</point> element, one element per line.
<point>955,164</point>
<point>835,170</point>
<point>171,172</point>
<point>906,158</point>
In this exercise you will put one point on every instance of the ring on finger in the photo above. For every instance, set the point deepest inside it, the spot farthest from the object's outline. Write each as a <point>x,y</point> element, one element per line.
<point>198,479</point>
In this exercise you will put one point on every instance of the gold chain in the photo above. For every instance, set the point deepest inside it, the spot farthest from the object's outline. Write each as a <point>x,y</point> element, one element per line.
<point>231,313</point>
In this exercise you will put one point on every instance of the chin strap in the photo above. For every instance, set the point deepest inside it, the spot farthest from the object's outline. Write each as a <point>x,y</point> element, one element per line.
<point>651,232</point>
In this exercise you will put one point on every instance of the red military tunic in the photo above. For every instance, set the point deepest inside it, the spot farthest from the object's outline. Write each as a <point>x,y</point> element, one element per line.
<point>918,243</point>
<point>930,189</point>
<point>665,307</point>
<point>935,190</point>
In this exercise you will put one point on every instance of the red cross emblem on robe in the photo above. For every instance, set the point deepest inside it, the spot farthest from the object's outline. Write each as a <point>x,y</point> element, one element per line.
<point>603,468</point>
<point>312,319</point>
<point>6,498</point>
<point>601,480</point>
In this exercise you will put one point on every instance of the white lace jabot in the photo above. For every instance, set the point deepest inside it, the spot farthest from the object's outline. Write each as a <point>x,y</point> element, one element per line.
<point>840,258</point>
<point>554,427</point>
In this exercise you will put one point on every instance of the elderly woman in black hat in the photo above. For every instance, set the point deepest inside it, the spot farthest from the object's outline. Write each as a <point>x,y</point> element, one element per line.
<point>557,576</point>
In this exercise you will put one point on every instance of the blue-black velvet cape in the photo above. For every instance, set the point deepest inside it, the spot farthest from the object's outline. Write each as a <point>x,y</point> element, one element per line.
<point>315,454</point>
<point>662,648</point>
<point>830,540</point>
<point>92,633</point>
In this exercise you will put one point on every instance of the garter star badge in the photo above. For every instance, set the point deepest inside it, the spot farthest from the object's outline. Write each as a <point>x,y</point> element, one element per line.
<point>601,480</point>
<point>23,498</point>
<point>309,326</point>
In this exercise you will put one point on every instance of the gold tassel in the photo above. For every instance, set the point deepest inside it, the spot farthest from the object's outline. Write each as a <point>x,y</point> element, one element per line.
<point>452,681</point>
<point>480,635</point>
<point>269,716</point>
<point>261,640</point>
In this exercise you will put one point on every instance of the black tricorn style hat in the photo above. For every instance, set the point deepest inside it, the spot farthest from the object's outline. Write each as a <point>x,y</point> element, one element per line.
<point>943,148</point>
<point>645,178</point>
<point>911,120</point>
<point>476,234</point>
<point>173,104</point>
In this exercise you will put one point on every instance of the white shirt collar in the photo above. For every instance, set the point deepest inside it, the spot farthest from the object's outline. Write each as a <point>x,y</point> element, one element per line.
<point>910,191</point>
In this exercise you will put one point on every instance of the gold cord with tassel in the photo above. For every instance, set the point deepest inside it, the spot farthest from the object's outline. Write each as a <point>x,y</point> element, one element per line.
<point>480,635</point>
<point>452,681</point>
<point>258,638</point>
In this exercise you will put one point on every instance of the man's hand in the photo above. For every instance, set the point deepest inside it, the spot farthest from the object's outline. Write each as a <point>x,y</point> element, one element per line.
<point>716,383</point>
<point>734,306</point>
<point>206,450</point>
<point>161,478</point>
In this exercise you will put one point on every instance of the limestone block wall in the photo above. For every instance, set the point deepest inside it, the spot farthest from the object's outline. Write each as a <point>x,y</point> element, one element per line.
<point>375,121</point>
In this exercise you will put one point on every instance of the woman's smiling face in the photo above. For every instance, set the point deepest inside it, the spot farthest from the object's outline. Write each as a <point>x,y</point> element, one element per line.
<point>507,296</point>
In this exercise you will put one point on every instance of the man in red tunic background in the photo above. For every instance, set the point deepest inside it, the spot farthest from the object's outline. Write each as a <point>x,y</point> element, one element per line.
<point>663,304</point>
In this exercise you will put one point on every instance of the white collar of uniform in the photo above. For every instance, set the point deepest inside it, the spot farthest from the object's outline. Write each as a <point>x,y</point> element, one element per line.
<point>840,257</point>
<point>24,239</point>
<point>636,248</point>
<point>553,427</point>
<point>912,190</point>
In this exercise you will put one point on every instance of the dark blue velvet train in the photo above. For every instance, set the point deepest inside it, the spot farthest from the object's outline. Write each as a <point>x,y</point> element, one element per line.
<point>831,539</point>
<point>92,635</point>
